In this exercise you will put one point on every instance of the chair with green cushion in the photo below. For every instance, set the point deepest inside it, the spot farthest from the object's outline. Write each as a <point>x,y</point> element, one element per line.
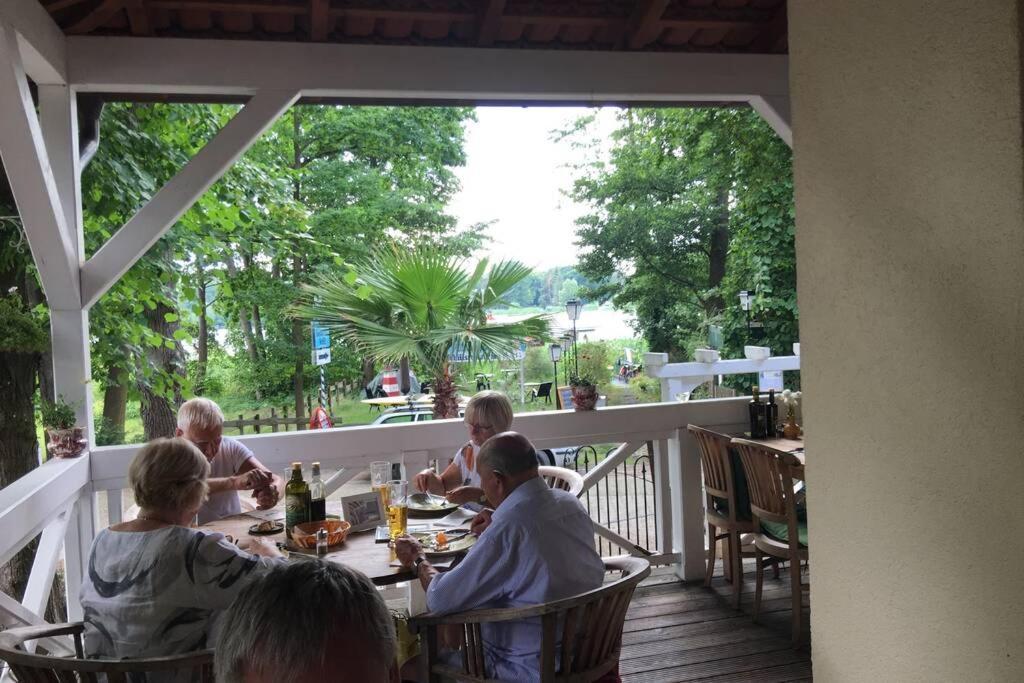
<point>727,512</point>
<point>773,503</point>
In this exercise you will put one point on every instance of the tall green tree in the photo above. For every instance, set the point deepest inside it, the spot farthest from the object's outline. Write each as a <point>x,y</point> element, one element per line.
<point>421,305</point>
<point>688,207</point>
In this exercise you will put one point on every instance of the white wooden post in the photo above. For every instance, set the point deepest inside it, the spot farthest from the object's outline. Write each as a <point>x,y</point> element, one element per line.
<point>653,362</point>
<point>77,541</point>
<point>687,506</point>
<point>663,495</point>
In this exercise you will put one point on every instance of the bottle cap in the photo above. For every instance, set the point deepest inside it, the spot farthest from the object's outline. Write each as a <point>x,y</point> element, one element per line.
<point>296,464</point>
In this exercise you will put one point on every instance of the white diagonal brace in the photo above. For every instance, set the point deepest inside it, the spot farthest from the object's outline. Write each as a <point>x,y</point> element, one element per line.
<point>774,109</point>
<point>39,38</point>
<point>176,197</point>
<point>629,546</point>
<point>13,615</point>
<point>608,465</point>
<point>44,566</point>
<point>28,171</point>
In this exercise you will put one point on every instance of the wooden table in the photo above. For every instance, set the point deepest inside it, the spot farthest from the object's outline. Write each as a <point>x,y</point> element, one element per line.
<point>794,446</point>
<point>359,551</point>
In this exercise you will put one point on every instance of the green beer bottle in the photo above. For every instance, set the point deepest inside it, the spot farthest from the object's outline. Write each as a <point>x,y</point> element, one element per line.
<point>296,500</point>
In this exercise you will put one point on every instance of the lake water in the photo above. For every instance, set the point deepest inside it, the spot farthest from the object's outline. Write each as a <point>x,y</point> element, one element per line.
<point>593,325</point>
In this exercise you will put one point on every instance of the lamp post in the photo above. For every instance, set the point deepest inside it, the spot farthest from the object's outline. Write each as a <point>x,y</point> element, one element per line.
<point>573,308</point>
<point>566,341</point>
<point>556,355</point>
<point>746,303</point>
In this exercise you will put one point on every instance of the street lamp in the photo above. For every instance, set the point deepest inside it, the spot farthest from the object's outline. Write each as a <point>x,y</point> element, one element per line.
<point>566,341</point>
<point>746,303</point>
<point>556,355</point>
<point>573,308</point>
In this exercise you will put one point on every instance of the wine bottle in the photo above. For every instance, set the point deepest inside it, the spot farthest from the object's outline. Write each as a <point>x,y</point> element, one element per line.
<point>296,500</point>
<point>772,415</point>
<point>757,416</point>
<point>317,501</point>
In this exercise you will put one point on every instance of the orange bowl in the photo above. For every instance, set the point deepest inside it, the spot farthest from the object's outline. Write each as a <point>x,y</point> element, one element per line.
<point>304,534</point>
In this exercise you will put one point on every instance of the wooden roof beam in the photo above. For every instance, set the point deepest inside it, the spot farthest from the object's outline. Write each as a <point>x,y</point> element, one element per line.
<point>773,33</point>
<point>97,18</point>
<point>644,25</point>
<point>138,18</point>
<point>319,18</point>
<point>490,22</point>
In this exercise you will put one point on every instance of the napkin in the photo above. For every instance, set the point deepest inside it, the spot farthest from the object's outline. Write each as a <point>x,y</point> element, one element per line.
<point>460,517</point>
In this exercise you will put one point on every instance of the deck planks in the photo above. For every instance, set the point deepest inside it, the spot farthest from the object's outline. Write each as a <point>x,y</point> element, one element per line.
<point>679,631</point>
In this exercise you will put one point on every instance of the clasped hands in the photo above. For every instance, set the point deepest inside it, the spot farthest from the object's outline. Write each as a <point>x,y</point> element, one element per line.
<point>429,481</point>
<point>264,490</point>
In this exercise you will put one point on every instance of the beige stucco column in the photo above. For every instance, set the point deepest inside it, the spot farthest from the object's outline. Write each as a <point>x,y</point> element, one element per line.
<point>909,174</point>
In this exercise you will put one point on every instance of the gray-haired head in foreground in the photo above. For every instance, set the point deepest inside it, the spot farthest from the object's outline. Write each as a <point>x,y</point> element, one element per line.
<point>283,621</point>
<point>509,453</point>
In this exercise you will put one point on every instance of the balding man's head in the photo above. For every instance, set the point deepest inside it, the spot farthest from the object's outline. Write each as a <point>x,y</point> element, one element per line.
<point>505,461</point>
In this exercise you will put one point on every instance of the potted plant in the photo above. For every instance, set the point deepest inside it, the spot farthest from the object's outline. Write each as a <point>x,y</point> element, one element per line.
<point>65,440</point>
<point>584,392</point>
<point>791,430</point>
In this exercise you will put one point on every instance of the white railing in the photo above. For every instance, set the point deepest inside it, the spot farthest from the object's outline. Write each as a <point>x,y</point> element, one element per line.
<point>58,498</point>
<point>680,378</point>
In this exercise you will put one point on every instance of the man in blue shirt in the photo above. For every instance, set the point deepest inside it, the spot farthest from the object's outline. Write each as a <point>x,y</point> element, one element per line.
<point>537,546</point>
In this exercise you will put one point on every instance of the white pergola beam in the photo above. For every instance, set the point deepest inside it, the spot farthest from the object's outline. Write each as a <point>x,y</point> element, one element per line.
<point>41,42</point>
<point>129,243</point>
<point>182,66</point>
<point>775,111</point>
<point>28,170</point>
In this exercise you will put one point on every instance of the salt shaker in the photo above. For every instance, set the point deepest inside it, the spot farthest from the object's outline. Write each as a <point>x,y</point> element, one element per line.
<point>321,542</point>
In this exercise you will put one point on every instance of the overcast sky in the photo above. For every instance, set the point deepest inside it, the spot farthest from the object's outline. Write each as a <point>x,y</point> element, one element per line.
<point>515,173</point>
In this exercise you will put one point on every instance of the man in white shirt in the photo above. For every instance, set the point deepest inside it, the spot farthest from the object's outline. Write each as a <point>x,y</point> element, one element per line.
<point>233,467</point>
<point>537,546</point>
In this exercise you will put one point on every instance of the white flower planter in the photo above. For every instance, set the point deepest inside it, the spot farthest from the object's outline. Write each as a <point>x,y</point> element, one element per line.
<point>706,355</point>
<point>757,352</point>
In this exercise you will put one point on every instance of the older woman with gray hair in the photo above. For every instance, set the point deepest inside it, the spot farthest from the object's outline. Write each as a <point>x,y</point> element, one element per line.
<point>487,413</point>
<point>309,621</point>
<point>155,585</point>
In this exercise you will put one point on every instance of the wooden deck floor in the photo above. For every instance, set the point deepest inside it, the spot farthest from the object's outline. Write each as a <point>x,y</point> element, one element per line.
<point>685,632</point>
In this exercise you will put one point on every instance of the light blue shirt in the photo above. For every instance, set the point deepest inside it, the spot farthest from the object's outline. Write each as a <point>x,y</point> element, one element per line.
<point>538,548</point>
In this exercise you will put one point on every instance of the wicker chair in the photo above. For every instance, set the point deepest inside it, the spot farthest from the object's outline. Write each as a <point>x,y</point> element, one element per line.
<point>720,483</point>
<point>562,478</point>
<point>35,667</point>
<point>773,499</point>
<point>590,626</point>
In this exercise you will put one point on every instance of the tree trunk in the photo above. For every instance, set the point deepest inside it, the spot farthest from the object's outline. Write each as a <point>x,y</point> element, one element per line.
<point>34,297</point>
<point>203,343</point>
<point>404,383</point>
<point>298,338</point>
<point>257,325</point>
<point>159,414</point>
<point>369,371</point>
<point>19,449</point>
<point>243,320</point>
<point>719,251</point>
<point>115,403</point>
<point>298,342</point>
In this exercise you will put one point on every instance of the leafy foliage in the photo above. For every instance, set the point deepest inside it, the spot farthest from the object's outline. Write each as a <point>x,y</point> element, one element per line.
<point>688,207</point>
<point>57,415</point>
<point>421,305</point>
<point>23,332</point>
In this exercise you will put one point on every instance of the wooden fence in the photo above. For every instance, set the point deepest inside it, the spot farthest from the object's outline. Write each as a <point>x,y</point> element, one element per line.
<point>283,421</point>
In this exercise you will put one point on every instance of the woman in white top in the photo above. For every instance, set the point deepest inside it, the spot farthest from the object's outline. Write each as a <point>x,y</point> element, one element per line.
<point>487,413</point>
<point>154,585</point>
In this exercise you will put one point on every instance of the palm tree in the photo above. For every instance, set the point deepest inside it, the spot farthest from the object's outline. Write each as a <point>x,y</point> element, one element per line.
<point>421,305</point>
